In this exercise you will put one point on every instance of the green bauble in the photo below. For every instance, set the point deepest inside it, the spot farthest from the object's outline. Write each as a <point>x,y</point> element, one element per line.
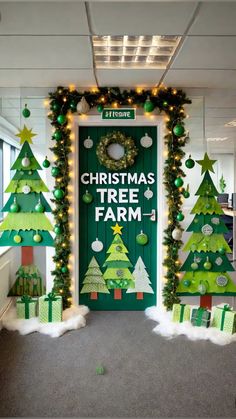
<point>17,238</point>
<point>64,269</point>
<point>46,163</point>
<point>142,239</point>
<point>180,216</point>
<point>221,250</point>
<point>58,193</point>
<point>55,171</point>
<point>73,105</point>
<point>178,130</point>
<point>39,207</point>
<point>207,265</point>
<point>194,266</point>
<point>186,194</point>
<point>165,103</point>
<point>26,112</point>
<point>61,119</point>
<point>190,163</point>
<point>187,283</point>
<point>202,289</point>
<point>57,135</point>
<point>57,229</point>
<point>148,105</point>
<point>179,182</point>
<point>14,207</point>
<point>208,206</point>
<point>55,106</point>
<point>87,198</point>
<point>100,108</point>
<point>37,238</point>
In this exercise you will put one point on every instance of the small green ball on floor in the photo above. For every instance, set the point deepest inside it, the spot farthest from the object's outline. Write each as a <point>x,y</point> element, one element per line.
<point>100,370</point>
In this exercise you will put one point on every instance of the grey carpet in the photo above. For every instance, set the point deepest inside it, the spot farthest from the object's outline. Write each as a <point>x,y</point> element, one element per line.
<point>146,375</point>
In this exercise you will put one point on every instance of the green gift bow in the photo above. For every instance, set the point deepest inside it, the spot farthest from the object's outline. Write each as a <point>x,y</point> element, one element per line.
<point>50,298</point>
<point>182,307</point>
<point>26,300</point>
<point>225,309</point>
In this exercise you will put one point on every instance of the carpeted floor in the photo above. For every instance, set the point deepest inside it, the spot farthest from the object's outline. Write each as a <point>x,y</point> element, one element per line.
<point>146,375</point>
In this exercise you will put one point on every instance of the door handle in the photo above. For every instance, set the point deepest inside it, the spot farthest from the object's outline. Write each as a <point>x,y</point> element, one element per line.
<point>152,215</point>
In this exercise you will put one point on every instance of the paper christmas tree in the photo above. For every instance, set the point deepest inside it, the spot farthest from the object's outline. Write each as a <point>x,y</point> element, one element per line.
<point>142,281</point>
<point>117,264</point>
<point>93,281</point>
<point>207,264</point>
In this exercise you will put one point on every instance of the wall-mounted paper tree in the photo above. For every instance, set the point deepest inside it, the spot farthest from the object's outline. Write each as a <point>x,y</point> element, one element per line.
<point>207,264</point>
<point>142,281</point>
<point>117,264</point>
<point>26,224</point>
<point>93,282</point>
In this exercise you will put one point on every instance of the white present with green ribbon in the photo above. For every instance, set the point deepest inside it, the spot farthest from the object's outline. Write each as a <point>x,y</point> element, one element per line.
<point>26,307</point>
<point>50,308</point>
<point>224,318</point>
<point>181,313</point>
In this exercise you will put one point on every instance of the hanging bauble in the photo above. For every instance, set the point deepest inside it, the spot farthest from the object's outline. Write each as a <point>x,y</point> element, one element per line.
<point>186,283</point>
<point>180,216</point>
<point>26,112</point>
<point>148,105</point>
<point>186,194</point>
<point>193,247</point>
<point>57,229</point>
<point>46,163</point>
<point>215,221</point>
<point>165,103</point>
<point>64,269</point>
<point>142,238</point>
<point>30,172</point>
<point>178,130</point>
<point>37,238</point>
<point>194,266</point>
<point>118,248</point>
<point>177,234</point>
<point>202,289</point>
<point>57,135</point>
<point>88,142</point>
<point>221,281</point>
<point>17,238</point>
<point>26,189</point>
<point>148,193</point>
<point>25,162</point>
<point>55,171</point>
<point>179,182</point>
<point>120,272</point>
<point>208,206</point>
<point>190,163</point>
<point>146,141</point>
<point>73,105</point>
<point>58,193</point>
<point>87,197</point>
<point>207,265</point>
<point>61,119</point>
<point>39,207</point>
<point>100,108</point>
<point>55,106</point>
<point>207,230</point>
<point>221,250</point>
<point>219,261</point>
<point>83,106</point>
<point>14,207</point>
<point>97,245</point>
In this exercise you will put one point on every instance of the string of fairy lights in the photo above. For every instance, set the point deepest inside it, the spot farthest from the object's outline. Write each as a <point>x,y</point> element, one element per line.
<point>64,102</point>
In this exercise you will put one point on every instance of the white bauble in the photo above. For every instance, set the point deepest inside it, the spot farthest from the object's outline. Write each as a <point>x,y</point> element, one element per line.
<point>26,189</point>
<point>148,193</point>
<point>88,143</point>
<point>97,245</point>
<point>25,162</point>
<point>177,234</point>
<point>207,230</point>
<point>83,106</point>
<point>146,141</point>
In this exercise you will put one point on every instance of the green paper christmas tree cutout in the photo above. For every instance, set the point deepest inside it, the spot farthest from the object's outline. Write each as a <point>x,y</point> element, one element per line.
<point>207,264</point>
<point>93,281</point>
<point>117,264</point>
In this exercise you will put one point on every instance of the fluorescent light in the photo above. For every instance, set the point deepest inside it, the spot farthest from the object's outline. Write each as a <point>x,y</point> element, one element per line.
<point>211,139</point>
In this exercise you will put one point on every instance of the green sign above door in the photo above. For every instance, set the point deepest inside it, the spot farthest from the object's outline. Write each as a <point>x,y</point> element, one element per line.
<point>110,113</point>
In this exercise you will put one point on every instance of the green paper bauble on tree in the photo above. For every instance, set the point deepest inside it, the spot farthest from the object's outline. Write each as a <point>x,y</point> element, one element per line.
<point>64,269</point>
<point>17,238</point>
<point>100,108</point>
<point>55,171</point>
<point>61,119</point>
<point>14,207</point>
<point>187,283</point>
<point>142,238</point>
<point>221,250</point>
<point>87,197</point>
<point>57,229</point>
<point>148,105</point>
<point>180,216</point>
<point>37,238</point>
<point>178,130</point>
<point>46,163</point>
<point>207,265</point>
<point>179,182</point>
<point>58,193</point>
<point>194,266</point>
<point>39,207</point>
<point>55,106</point>
<point>202,289</point>
<point>26,112</point>
<point>57,135</point>
<point>190,163</point>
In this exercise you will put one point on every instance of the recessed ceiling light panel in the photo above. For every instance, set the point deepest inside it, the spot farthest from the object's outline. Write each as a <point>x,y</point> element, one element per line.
<point>153,52</point>
<point>211,139</point>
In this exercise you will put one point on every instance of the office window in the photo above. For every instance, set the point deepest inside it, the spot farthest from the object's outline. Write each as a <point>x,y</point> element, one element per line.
<point>12,159</point>
<point>1,177</point>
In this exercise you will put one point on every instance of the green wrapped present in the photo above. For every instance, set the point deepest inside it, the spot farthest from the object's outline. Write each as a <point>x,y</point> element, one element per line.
<point>224,318</point>
<point>26,307</point>
<point>201,317</point>
<point>181,313</point>
<point>50,308</point>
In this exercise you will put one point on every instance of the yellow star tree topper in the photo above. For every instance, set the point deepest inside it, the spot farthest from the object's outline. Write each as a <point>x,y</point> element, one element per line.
<point>206,163</point>
<point>117,229</point>
<point>26,134</point>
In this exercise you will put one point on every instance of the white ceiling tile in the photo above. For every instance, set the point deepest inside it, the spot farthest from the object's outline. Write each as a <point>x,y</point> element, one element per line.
<point>144,18</point>
<point>45,52</point>
<point>207,52</point>
<point>46,78</point>
<point>47,18</point>
<point>129,78</point>
<point>215,19</point>
<point>201,78</point>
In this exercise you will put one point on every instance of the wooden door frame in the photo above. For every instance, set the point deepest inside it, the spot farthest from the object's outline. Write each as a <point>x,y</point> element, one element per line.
<point>95,120</point>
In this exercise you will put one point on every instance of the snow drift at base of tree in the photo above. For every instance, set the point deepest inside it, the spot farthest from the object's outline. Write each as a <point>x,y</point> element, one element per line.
<point>73,319</point>
<point>169,329</point>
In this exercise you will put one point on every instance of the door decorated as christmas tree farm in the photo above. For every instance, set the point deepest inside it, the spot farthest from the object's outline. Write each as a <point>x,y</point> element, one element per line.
<point>117,217</point>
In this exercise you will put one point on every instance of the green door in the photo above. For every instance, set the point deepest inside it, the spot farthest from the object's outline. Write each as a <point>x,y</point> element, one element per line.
<point>117,270</point>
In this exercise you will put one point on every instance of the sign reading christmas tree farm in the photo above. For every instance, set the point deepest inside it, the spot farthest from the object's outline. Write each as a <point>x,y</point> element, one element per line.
<point>114,189</point>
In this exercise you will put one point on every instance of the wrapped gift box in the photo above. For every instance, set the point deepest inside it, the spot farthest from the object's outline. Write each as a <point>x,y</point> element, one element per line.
<point>224,318</point>
<point>201,317</point>
<point>26,307</point>
<point>181,313</point>
<point>50,308</point>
